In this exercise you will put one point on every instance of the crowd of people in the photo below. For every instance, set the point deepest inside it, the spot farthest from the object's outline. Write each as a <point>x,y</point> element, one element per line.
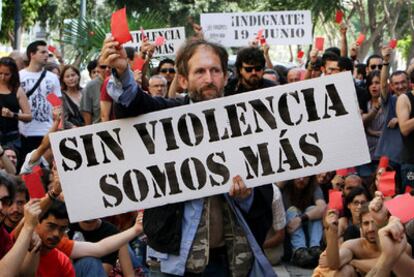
<point>242,233</point>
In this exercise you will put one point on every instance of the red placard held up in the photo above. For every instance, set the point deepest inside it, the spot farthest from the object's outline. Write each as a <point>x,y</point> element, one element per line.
<point>360,39</point>
<point>339,16</point>
<point>386,183</point>
<point>34,183</point>
<point>54,100</point>
<point>335,200</point>
<point>119,26</point>
<point>401,207</point>
<point>319,42</point>
<point>393,43</point>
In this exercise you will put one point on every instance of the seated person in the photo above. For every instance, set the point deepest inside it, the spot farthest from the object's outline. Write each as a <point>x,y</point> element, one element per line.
<point>14,213</point>
<point>349,224</point>
<point>305,207</point>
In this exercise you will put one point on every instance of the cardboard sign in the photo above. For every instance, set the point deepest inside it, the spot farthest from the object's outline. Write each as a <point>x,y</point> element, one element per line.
<point>319,42</point>
<point>339,16</point>
<point>193,151</point>
<point>386,183</point>
<point>236,29</point>
<point>34,183</point>
<point>360,39</point>
<point>335,200</point>
<point>401,207</point>
<point>172,39</point>
<point>119,26</point>
<point>54,100</point>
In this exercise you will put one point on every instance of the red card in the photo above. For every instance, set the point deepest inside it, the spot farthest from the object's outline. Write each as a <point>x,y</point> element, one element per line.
<point>259,34</point>
<point>262,41</point>
<point>138,63</point>
<point>319,42</point>
<point>401,207</point>
<point>119,26</point>
<point>34,183</point>
<point>335,200</point>
<point>383,162</point>
<point>338,17</point>
<point>393,43</point>
<point>51,48</point>
<point>360,39</point>
<point>386,183</point>
<point>300,54</point>
<point>54,100</point>
<point>143,35</point>
<point>159,41</point>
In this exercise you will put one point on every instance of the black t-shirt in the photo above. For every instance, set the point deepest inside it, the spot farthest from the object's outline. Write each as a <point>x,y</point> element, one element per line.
<point>105,230</point>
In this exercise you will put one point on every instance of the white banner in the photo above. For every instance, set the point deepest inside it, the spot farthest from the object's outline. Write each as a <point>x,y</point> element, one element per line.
<point>193,151</point>
<point>237,29</point>
<point>174,38</point>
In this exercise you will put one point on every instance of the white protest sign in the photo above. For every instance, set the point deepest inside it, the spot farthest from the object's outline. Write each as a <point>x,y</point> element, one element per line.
<point>174,38</point>
<point>193,151</point>
<point>238,29</point>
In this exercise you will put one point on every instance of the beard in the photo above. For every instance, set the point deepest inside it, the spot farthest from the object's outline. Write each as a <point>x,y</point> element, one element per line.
<point>206,92</point>
<point>254,81</point>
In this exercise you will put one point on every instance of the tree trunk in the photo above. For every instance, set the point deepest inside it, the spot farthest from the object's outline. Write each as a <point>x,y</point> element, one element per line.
<point>17,24</point>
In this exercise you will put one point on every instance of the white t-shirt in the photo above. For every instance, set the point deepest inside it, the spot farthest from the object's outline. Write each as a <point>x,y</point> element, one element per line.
<point>40,106</point>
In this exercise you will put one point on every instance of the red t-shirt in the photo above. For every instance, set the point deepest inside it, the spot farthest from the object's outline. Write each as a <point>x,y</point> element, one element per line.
<point>6,242</point>
<point>55,264</point>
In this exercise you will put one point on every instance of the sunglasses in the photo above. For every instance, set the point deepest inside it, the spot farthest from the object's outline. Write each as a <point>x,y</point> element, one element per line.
<point>103,66</point>
<point>6,201</point>
<point>167,70</point>
<point>249,69</point>
<point>373,66</point>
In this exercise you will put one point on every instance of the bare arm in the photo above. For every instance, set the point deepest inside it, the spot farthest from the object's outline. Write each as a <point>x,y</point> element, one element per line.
<point>105,110</point>
<point>266,49</point>
<point>106,245</point>
<point>87,118</point>
<point>364,265</point>
<point>403,115</point>
<point>386,54</point>
<point>318,210</point>
<point>26,114</point>
<point>125,261</point>
<point>275,240</point>
<point>344,42</point>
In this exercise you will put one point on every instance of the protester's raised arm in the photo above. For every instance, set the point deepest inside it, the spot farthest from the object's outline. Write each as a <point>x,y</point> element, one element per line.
<point>114,55</point>
<point>386,55</point>
<point>344,43</point>
<point>107,245</point>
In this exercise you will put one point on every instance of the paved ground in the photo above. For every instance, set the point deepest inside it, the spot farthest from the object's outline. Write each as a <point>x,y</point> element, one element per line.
<point>288,270</point>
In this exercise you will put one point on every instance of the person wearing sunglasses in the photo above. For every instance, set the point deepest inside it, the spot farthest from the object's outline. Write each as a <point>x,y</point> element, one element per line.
<point>167,70</point>
<point>374,62</point>
<point>250,66</point>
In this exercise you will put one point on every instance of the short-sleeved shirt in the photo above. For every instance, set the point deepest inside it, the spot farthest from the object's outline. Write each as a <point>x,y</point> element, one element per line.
<point>90,101</point>
<point>105,230</point>
<point>6,242</point>
<point>55,263</point>
<point>42,110</point>
<point>66,246</point>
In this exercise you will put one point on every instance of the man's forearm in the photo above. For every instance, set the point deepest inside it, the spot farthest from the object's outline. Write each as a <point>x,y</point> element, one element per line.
<point>364,265</point>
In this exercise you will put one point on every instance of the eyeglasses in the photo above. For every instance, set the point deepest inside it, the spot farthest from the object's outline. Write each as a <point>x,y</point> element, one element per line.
<point>6,201</point>
<point>249,69</point>
<point>167,70</point>
<point>357,203</point>
<point>374,66</point>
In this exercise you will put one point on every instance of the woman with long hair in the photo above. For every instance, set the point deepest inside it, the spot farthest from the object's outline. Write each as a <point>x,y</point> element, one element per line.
<point>305,205</point>
<point>13,103</point>
<point>71,94</point>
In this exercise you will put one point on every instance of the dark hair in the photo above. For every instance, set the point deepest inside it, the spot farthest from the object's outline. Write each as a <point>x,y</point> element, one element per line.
<point>350,197</point>
<point>329,56</point>
<point>397,73</point>
<point>130,51</point>
<point>92,65</point>
<point>249,55</point>
<point>361,69</point>
<point>57,209</point>
<point>345,64</point>
<point>164,61</point>
<point>271,71</point>
<point>9,183</point>
<point>51,66</point>
<point>316,65</point>
<point>374,56</point>
<point>334,49</point>
<point>412,76</point>
<point>282,71</point>
<point>303,198</point>
<point>21,188</point>
<point>188,50</point>
<point>371,76</point>
<point>14,82</point>
<point>32,47</point>
<point>62,75</point>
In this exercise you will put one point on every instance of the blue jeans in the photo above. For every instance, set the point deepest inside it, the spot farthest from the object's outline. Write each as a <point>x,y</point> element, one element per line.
<point>89,267</point>
<point>298,237</point>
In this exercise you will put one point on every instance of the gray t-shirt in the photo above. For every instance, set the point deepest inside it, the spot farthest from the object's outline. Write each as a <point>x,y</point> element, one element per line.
<point>90,101</point>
